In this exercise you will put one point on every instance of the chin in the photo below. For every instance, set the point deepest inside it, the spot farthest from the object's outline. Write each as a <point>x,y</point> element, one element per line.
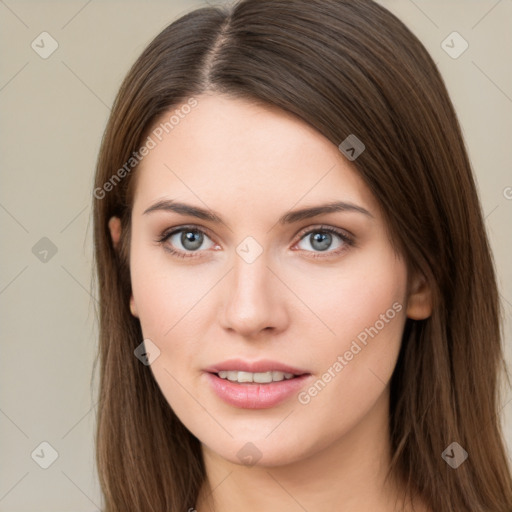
<point>263,450</point>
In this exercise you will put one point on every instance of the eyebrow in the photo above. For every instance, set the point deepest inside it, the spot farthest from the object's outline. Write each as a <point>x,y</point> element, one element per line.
<point>287,218</point>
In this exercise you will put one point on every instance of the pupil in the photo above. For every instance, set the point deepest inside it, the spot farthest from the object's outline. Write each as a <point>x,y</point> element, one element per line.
<point>191,240</point>
<point>324,240</point>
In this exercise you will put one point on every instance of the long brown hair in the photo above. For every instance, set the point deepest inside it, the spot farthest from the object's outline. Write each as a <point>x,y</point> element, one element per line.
<point>345,67</point>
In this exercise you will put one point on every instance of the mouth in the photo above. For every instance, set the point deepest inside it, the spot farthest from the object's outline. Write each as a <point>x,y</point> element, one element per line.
<point>255,385</point>
<point>255,378</point>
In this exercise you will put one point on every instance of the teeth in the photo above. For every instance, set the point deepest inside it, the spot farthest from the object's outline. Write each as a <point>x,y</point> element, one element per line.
<point>259,377</point>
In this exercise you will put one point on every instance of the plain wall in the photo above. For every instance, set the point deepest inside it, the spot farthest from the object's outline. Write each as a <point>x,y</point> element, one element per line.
<point>54,111</point>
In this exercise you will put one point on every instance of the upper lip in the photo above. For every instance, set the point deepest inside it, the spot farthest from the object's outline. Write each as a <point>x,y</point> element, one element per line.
<point>260,366</point>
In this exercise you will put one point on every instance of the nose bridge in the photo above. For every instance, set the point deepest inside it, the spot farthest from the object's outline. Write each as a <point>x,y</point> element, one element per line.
<point>250,277</point>
<point>252,302</point>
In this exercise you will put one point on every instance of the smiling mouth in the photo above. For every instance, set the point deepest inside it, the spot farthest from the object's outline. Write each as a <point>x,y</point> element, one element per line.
<point>256,390</point>
<point>255,377</point>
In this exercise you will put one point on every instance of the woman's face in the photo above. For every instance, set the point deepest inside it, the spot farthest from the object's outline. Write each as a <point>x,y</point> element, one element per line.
<point>264,292</point>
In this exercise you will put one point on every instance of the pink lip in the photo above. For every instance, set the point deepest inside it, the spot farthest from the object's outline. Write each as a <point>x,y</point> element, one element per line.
<point>248,395</point>
<point>263,365</point>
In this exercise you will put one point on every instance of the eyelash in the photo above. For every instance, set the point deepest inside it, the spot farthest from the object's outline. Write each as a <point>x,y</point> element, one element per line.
<point>346,239</point>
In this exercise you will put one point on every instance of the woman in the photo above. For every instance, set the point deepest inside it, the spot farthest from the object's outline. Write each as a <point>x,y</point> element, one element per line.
<point>298,305</point>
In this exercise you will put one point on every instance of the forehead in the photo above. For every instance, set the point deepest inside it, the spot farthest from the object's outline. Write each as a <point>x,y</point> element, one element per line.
<point>226,151</point>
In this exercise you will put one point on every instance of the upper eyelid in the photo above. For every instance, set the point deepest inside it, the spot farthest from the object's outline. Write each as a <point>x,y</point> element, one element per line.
<point>177,229</point>
<point>320,227</point>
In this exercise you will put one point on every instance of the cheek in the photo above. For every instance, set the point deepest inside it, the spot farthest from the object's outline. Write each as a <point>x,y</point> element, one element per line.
<point>363,294</point>
<point>174,305</point>
<point>168,300</point>
<point>365,310</point>
<point>357,334</point>
<point>166,294</point>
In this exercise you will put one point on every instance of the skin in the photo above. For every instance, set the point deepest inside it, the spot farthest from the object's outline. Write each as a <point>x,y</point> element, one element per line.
<point>251,164</point>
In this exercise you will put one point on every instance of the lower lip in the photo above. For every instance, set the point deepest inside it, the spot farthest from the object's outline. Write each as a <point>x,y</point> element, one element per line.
<point>248,395</point>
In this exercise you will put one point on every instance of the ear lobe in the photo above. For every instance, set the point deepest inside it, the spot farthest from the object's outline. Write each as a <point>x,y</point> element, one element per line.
<point>419,301</point>
<point>114,225</point>
<point>133,308</point>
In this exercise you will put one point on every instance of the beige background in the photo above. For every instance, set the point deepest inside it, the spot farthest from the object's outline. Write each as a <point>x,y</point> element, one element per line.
<point>53,114</point>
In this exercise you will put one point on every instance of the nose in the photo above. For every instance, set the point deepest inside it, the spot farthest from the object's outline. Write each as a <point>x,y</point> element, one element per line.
<point>255,299</point>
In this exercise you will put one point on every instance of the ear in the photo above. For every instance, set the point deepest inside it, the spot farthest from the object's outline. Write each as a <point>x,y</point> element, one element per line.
<point>133,308</point>
<point>114,225</point>
<point>419,300</point>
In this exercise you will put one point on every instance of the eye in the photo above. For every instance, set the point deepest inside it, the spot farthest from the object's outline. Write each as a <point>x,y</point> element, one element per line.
<point>187,239</point>
<point>321,239</point>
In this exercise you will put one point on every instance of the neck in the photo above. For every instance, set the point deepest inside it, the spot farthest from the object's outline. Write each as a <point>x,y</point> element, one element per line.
<point>348,476</point>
